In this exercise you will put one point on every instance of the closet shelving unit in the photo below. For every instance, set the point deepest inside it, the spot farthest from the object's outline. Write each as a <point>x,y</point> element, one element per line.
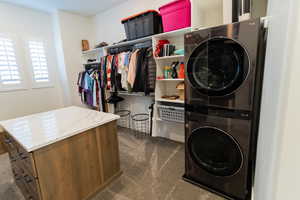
<point>99,52</point>
<point>130,43</point>
<point>163,128</point>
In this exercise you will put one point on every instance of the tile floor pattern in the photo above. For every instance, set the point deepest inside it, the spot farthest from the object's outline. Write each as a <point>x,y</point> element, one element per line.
<point>152,170</point>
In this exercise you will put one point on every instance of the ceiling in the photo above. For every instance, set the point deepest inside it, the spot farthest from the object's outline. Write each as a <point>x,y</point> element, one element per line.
<point>82,7</point>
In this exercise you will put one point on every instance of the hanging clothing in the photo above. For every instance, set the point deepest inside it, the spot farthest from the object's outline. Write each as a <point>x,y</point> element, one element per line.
<point>89,88</point>
<point>109,62</point>
<point>139,83</point>
<point>125,70</point>
<point>150,72</point>
<point>103,73</point>
<point>132,71</point>
<point>132,68</point>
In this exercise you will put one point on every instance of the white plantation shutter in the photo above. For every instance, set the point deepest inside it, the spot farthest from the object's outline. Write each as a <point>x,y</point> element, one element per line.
<point>39,61</point>
<point>9,69</point>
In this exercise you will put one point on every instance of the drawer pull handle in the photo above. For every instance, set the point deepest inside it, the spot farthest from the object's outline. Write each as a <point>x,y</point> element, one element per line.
<point>13,159</point>
<point>22,156</point>
<point>28,179</point>
<point>7,141</point>
<point>14,172</point>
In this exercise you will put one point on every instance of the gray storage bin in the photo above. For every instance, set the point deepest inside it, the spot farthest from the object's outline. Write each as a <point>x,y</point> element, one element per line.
<point>171,113</point>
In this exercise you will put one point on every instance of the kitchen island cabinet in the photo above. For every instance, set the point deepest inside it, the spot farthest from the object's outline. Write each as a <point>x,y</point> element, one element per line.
<point>70,153</point>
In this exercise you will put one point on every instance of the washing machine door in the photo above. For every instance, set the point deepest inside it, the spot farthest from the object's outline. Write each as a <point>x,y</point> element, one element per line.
<point>215,151</point>
<point>218,67</point>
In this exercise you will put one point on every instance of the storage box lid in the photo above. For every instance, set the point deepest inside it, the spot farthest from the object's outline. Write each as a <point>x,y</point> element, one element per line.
<point>141,13</point>
<point>175,2</point>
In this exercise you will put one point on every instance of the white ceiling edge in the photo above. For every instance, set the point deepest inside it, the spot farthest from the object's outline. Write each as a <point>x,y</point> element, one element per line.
<point>87,8</point>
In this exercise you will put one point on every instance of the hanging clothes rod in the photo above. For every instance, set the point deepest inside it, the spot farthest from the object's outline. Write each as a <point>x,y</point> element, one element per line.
<point>130,47</point>
<point>91,66</point>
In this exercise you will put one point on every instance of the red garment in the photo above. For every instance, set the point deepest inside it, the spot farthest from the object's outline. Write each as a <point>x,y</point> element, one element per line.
<point>108,71</point>
<point>160,46</point>
<point>97,92</point>
<point>181,71</point>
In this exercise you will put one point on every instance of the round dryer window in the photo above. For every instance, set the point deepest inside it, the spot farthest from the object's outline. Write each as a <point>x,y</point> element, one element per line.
<point>215,151</point>
<point>217,67</point>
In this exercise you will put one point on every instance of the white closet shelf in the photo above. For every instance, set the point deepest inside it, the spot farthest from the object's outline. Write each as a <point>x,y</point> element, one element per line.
<point>178,79</point>
<point>92,51</point>
<point>170,101</point>
<point>173,33</point>
<point>144,39</point>
<point>140,94</point>
<point>169,57</point>
<point>90,63</point>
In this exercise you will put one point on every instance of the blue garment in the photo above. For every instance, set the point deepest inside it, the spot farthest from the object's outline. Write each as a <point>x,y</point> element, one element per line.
<point>89,82</point>
<point>127,59</point>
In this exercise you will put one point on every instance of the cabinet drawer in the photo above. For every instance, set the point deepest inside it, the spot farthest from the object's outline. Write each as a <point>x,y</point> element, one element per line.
<point>26,160</point>
<point>10,145</point>
<point>28,195</point>
<point>17,173</point>
<point>17,153</point>
<point>23,168</point>
<point>32,185</point>
<point>28,165</point>
<point>27,184</point>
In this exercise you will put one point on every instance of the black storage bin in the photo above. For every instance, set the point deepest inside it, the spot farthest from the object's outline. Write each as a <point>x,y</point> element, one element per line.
<point>143,24</point>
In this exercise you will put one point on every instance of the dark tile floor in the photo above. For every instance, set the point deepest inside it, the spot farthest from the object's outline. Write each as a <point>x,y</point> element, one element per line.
<point>152,169</point>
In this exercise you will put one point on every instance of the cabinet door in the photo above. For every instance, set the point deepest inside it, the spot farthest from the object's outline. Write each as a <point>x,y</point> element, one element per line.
<point>70,169</point>
<point>109,148</point>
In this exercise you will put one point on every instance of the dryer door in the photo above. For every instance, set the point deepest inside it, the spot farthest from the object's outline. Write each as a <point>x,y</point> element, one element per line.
<point>218,67</point>
<point>215,151</point>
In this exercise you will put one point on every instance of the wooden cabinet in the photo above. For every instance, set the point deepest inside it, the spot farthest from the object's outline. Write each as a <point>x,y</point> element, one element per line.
<point>23,168</point>
<point>75,168</point>
<point>109,151</point>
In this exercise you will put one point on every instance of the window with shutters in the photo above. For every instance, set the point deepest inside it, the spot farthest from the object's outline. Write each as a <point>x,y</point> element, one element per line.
<point>10,76</point>
<point>39,62</point>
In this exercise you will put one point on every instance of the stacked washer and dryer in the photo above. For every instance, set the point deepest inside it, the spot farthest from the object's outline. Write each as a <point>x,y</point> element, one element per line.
<point>224,71</point>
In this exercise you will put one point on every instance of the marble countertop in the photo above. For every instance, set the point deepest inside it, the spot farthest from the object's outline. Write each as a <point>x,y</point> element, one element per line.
<point>39,130</point>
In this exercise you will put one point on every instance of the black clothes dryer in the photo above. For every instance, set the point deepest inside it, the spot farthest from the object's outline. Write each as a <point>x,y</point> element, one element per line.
<point>224,70</point>
<point>217,154</point>
<point>221,65</point>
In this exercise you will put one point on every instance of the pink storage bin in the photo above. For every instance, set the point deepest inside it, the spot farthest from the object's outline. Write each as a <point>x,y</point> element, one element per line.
<point>176,15</point>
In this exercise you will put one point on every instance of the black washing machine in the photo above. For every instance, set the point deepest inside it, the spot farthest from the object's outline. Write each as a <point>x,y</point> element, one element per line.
<point>222,65</point>
<point>224,70</point>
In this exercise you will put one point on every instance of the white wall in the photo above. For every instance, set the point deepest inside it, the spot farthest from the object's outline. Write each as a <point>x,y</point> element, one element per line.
<point>287,186</point>
<point>108,24</point>
<point>278,164</point>
<point>70,30</point>
<point>227,11</point>
<point>288,162</point>
<point>206,13</point>
<point>27,24</point>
